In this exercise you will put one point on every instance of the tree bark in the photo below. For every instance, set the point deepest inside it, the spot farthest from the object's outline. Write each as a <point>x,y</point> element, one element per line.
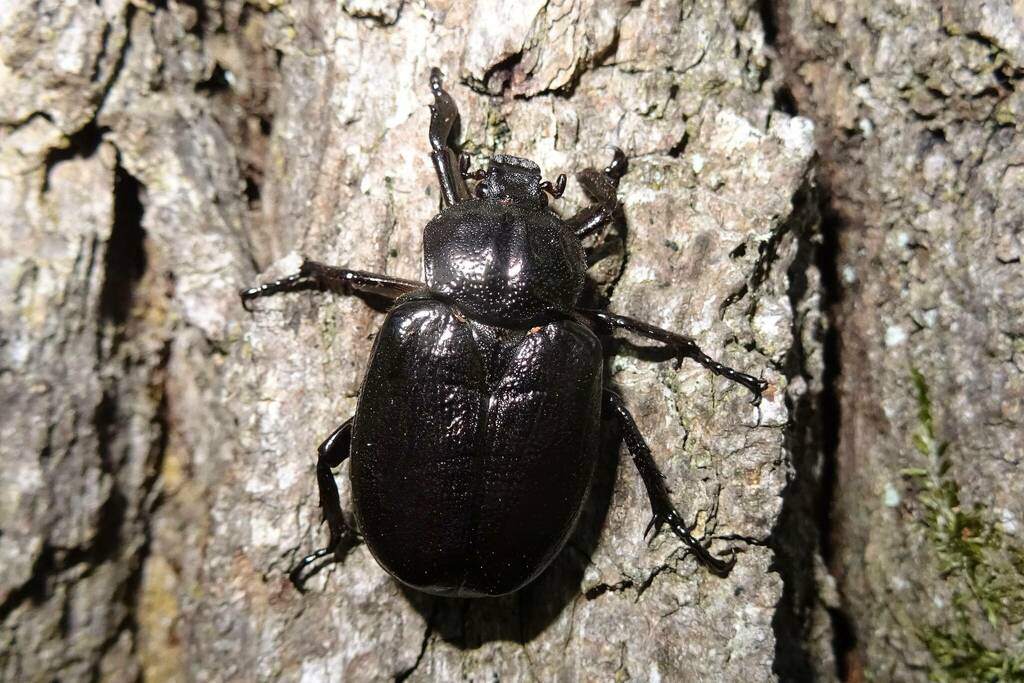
<point>920,124</point>
<point>159,442</point>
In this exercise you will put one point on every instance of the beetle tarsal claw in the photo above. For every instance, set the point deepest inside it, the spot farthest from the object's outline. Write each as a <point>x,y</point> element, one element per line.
<point>295,574</point>
<point>655,524</point>
<point>762,386</point>
<point>722,567</point>
<point>699,548</point>
<point>333,553</point>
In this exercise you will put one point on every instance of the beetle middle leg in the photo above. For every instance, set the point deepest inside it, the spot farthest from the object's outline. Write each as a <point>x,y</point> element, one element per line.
<point>654,481</point>
<point>683,346</point>
<point>331,454</point>
<point>313,275</point>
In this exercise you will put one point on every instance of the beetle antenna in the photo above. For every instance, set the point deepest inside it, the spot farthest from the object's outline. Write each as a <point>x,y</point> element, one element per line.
<point>555,190</point>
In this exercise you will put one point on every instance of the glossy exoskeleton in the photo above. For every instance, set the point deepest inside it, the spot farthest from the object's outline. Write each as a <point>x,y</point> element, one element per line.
<point>476,433</point>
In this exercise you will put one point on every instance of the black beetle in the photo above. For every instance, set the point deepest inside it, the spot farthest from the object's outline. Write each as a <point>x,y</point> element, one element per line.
<point>476,433</point>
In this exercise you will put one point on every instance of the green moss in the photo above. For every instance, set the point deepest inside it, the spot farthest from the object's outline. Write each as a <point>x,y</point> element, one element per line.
<point>981,639</point>
<point>959,656</point>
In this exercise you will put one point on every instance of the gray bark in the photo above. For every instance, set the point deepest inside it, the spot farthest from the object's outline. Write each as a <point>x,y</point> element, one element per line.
<point>158,443</point>
<point>920,122</point>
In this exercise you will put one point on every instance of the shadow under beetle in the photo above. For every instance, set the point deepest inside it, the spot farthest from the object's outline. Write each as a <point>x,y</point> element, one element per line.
<point>476,433</point>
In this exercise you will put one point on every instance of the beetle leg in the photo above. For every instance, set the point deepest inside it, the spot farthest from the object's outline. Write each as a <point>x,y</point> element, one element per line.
<point>661,504</point>
<point>313,275</point>
<point>683,346</point>
<point>443,115</point>
<point>602,187</point>
<point>331,454</point>
<point>590,219</point>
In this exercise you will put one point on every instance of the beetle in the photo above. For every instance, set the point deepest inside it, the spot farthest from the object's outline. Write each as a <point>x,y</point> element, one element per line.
<point>476,432</point>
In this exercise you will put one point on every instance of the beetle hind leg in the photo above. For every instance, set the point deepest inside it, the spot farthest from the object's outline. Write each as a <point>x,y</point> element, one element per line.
<point>663,510</point>
<point>342,538</point>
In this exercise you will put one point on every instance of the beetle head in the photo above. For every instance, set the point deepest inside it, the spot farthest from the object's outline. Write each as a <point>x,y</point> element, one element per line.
<point>510,179</point>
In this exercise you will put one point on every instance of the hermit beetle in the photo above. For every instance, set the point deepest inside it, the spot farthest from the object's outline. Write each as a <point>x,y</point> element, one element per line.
<point>476,434</point>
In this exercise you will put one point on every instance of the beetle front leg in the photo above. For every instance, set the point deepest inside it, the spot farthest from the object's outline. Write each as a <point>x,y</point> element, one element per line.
<point>602,187</point>
<point>684,347</point>
<point>343,538</point>
<point>443,115</point>
<point>313,275</point>
<point>661,504</point>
